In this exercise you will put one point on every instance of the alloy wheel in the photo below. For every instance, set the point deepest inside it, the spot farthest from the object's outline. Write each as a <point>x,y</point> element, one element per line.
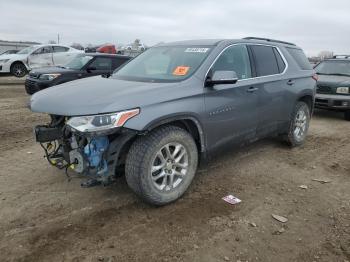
<point>169,167</point>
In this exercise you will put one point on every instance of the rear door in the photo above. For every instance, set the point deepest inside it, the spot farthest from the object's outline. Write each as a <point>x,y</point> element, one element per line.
<point>231,109</point>
<point>42,57</point>
<point>61,55</point>
<point>270,66</point>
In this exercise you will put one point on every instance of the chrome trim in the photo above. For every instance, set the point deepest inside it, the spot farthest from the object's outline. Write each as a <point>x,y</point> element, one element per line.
<point>258,77</point>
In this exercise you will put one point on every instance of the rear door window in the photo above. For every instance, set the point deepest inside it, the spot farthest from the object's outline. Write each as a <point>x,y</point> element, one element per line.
<point>265,60</point>
<point>300,58</point>
<point>119,61</point>
<point>281,64</point>
<point>234,58</point>
<point>59,49</point>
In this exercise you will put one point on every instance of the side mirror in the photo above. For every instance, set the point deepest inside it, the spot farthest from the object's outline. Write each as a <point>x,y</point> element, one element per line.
<point>90,68</point>
<point>107,75</point>
<point>222,78</point>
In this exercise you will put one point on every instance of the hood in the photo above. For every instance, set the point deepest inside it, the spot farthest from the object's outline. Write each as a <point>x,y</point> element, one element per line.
<point>96,95</point>
<point>14,56</point>
<point>50,70</point>
<point>333,80</point>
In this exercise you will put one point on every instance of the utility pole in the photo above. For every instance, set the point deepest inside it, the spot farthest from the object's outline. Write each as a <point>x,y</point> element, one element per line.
<point>58,38</point>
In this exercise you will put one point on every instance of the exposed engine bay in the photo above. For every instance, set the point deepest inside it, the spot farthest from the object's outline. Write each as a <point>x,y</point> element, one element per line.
<point>94,156</point>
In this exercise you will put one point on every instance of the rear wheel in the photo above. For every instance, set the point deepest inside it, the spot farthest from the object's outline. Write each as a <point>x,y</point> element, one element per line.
<point>347,115</point>
<point>161,165</point>
<point>18,69</point>
<point>299,124</point>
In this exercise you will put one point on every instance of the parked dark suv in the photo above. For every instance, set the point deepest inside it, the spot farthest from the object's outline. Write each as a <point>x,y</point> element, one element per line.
<point>173,105</point>
<point>81,66</point>
<point>333,85</point>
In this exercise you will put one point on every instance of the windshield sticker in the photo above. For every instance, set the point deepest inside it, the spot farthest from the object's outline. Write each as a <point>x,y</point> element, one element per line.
<point>196,50</point>
<point>181,70</point>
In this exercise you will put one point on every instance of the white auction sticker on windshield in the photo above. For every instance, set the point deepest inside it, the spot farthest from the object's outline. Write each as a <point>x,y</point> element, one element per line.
<point>196,50</point>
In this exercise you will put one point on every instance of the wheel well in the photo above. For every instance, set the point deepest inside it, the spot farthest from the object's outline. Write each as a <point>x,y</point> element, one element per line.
<point>309,101</point>
<point>191,127</point>
<point>187,124</point>
<point>17,62</point>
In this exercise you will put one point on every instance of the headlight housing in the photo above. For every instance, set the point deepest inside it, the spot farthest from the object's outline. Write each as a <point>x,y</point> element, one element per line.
<point>48,77</point>
<point>103,122</point>
<point>3,61</point>
<point>343,90</point>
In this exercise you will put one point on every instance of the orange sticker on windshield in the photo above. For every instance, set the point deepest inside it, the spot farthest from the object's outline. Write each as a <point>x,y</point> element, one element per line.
<point>181,70</point>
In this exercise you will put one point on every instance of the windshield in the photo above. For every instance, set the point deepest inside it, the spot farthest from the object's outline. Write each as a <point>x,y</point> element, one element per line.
<point>333,68</point>
<point>27,50</point>
<point>78,62</point>
<point>164,64</point>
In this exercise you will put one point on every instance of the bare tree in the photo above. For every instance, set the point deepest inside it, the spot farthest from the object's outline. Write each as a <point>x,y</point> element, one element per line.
<point>325,54</point>
<point>136,43</point>
<point>77,46</point>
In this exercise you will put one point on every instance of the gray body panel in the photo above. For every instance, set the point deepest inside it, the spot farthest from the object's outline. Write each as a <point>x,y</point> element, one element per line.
<point>224,113</point>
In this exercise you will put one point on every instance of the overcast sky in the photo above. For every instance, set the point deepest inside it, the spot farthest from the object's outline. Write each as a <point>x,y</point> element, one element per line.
<point>315,25</point>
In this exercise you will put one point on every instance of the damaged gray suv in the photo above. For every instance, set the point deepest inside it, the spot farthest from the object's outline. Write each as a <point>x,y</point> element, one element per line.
<point>173,106</point>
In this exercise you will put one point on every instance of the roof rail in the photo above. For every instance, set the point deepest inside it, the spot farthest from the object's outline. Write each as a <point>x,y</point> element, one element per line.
<point>341,56</point>
<point>269,40</point>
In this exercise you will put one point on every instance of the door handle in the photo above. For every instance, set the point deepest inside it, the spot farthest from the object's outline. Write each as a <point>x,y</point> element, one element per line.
<point>290,82</point>
<point>252,89</point>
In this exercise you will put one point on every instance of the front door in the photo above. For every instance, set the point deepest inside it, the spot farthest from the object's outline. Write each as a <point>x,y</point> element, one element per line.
<point>42,57</point>
<point>231,109</point>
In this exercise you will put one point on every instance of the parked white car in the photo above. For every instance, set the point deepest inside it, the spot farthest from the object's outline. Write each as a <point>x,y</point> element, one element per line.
<point>36,56</point>
<point>134,47</point>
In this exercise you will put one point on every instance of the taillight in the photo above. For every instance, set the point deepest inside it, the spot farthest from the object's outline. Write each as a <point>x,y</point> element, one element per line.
<point>315,77</point>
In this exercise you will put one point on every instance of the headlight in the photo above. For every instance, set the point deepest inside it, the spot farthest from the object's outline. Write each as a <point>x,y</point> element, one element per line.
<point>48,77</point>
<point>3,61</point>
<point>101,122</point>
<point>343,90</point>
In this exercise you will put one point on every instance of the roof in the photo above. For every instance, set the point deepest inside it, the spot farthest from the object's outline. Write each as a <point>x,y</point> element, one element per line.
<point>214,42</point>
<point>337,59</point>
<point>198,42</point>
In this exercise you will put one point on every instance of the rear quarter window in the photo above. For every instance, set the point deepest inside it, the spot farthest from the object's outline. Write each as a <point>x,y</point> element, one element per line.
<point>300,58</point>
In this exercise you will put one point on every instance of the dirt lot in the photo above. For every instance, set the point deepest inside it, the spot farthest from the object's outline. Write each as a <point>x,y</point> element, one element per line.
<point>43,217</point>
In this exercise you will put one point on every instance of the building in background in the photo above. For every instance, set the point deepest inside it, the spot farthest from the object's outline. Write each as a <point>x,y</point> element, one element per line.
<point>14,45</point>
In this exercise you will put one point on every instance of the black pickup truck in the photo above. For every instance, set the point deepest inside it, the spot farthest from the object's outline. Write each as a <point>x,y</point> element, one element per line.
<point>83,65</point>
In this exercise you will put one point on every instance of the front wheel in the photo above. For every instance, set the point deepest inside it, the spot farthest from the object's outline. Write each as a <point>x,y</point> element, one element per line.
<point>18,69</point>
<point>347,115</point>
<point>299,124</point>
<point>161,165</point>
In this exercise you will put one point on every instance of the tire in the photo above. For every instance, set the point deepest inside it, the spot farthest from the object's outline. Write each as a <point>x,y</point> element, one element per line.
<point>347,115</point>
<point>300,120</point>
<point>170,178</point>
<point>18,69</point>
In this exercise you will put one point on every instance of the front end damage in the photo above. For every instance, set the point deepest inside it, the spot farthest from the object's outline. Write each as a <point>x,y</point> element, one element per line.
<point>99,155</point>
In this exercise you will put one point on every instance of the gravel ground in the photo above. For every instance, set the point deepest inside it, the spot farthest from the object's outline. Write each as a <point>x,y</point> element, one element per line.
<point>43,217</point>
